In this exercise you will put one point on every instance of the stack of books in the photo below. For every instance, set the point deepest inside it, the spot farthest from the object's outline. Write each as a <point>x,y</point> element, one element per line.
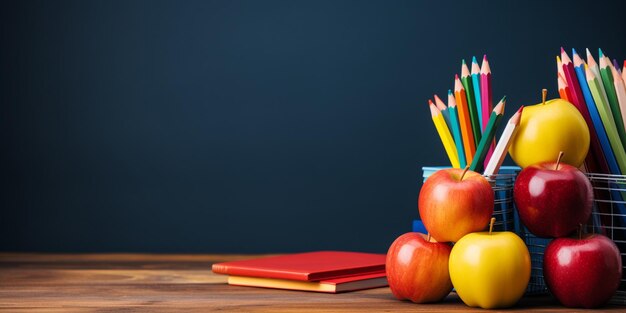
<point>320,271</point>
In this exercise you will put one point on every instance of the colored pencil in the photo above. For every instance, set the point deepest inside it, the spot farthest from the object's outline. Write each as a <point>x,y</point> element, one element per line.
<point>592,161</point>
<point>616,66</point>
<point>466,80</point>
<point>620,91</point>
<point>443,109</point>
<point>490,131</point>
<point>476,83</point>
<point>607,151</point>
<point>605,114</point>
<point>485,91</point>
<point>502,148</point>
<point>563,89</point>
<point>444,134</point>
<point>456,129</point>
<point>559,66</point>
<point>611,95</point>
<point>464,120</point>
<point>595,69</point>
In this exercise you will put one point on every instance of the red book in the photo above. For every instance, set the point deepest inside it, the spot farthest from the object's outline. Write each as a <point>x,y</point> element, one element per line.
<point>336,285</point>
<point>310,266</point>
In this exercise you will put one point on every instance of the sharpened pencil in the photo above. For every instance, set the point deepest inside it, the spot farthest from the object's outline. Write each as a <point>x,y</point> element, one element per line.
<point>490,131</point>
<point>485,91</point>
<point>456,129</point>
<point>502,148</point>
<point>464,120</point>
<point>443,109</point>
<point>611,95</point>
<point>444,134</point>
<point>476,83</point>
<point>607,120</point>
<point>466,80</point>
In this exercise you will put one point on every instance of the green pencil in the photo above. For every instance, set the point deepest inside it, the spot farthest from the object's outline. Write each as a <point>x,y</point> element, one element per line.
<point>488,136</point>
<point>456,129</point>
<point>607,120</point>
<point>611,94</point>
<point>466,80</point>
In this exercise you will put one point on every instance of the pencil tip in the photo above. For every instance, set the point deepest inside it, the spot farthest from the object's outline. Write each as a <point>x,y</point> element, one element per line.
<point>600,52</point>
<point>520,109</point>
<point>562,50</point>
<point>430,102</point>
<point>588,52</point>
<point>456,76</point>
<point>463,61</point>
<point>503,99</point>
<point>484,57</point>
<point>449,92</point>
<point>574,52</point>
<point>474,59</point>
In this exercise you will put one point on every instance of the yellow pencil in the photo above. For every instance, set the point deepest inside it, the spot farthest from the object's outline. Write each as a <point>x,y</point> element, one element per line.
<point>444,134</point>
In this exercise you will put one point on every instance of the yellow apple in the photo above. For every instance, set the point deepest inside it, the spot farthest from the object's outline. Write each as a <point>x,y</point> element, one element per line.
<point>490,269</point>
<point>547,128</point>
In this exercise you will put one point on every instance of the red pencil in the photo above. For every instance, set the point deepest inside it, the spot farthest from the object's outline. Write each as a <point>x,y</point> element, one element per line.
<point>485,91</point>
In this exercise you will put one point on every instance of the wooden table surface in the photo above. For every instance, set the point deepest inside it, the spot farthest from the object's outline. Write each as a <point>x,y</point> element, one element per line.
<point>167,283</point>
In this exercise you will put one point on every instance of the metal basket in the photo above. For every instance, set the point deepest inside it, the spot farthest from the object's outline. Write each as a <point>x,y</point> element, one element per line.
<point>609,218</point>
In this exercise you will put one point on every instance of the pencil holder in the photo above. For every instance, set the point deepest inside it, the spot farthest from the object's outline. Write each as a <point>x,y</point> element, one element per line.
<point>508,220</point>
<point>609,218</point>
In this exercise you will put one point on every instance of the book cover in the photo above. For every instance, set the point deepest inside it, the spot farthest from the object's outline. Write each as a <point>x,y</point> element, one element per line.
<point>309,266</point>
<point>337,285</point>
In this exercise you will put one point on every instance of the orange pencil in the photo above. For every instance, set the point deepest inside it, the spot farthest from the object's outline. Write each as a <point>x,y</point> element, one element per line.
<point>563,88</point>
<point>464,120</point>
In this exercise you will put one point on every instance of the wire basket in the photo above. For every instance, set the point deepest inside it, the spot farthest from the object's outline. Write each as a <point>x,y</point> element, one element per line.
<point>609,217</point>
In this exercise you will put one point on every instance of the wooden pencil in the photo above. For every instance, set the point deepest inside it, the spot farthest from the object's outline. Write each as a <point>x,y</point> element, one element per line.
<point>611,95</point>
<point>592,160</point>
<point>559,66</point>
<point>477,164</point>
<point>606,157</point>
<point>444,134</point>
<point>624,73</point>
<point>502,148</point>
<point>607,120</point>
<point>456,129</point>
<point>620,91</point>
<point>563,88</point>
<point>476,83</point>
<point>595,69</point>
<point>443,109</point>
<point>464,120</point>
<point>466,80</point>
<point>485,91</point>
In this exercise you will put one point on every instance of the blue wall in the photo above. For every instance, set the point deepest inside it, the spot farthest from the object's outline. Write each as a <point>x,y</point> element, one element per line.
<point>248,126</point>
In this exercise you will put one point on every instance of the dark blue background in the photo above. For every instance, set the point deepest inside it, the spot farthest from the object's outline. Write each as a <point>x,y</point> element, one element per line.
<point>248,126</point>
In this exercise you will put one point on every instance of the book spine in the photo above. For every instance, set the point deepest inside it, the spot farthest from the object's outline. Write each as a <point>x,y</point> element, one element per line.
<point>243,271</point>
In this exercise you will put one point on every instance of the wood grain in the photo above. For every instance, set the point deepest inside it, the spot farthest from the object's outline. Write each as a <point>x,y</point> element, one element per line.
<point>167,283</point>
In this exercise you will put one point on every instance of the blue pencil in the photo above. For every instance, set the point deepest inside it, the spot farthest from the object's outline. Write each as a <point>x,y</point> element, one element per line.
<point>476,84</point>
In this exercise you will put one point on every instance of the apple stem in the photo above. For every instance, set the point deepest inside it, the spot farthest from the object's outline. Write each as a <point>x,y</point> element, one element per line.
<point>544,94</point>
<point>580,231</point>
<point>493,220</point>
<point>558,160</point>
<point>464,171</point>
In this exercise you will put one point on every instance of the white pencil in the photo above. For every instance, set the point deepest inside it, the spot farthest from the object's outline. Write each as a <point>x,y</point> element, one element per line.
<point>502,148</point>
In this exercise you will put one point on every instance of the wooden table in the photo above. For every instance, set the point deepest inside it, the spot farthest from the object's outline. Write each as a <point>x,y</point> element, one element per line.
<point>166,283</point>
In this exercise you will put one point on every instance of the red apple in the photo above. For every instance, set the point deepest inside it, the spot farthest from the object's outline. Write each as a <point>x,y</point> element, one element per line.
<point>552,198</point>
<point>417,268</point>
<point>454,202</point>
<point>582,272</point>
